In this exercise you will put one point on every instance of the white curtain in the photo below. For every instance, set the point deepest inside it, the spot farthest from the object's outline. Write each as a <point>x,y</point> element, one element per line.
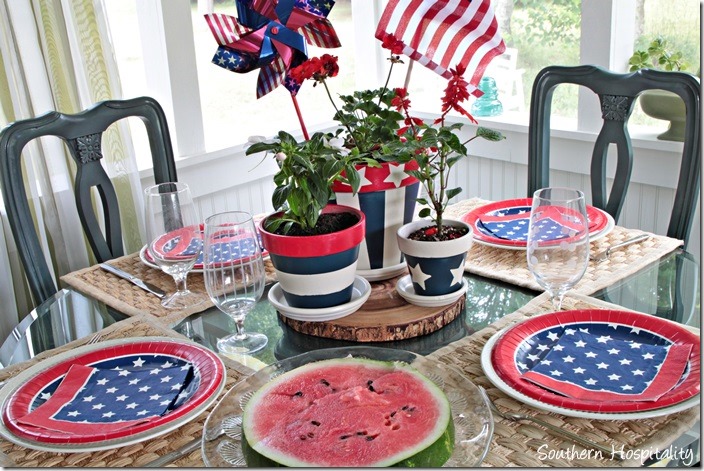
<point>56,55</point>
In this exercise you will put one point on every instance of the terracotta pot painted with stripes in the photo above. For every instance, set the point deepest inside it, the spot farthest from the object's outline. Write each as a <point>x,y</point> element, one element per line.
<point>316,271</point>
<point>436,267</point>
<point>387,197</point>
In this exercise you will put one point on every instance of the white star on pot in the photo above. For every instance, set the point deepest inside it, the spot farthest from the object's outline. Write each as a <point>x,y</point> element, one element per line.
<point>418,276</point>
<point>363,177</point>
<point>396,175</point>
<point>457,274</point>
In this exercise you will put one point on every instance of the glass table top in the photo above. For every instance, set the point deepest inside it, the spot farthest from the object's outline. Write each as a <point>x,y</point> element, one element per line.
<point>668,288</point>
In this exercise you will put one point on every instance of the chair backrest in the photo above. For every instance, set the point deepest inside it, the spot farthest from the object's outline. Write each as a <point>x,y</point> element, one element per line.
<point>82,133</point>
<point>617,94</point>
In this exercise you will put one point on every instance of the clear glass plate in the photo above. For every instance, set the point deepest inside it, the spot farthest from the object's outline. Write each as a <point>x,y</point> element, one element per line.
<point>474,424</point>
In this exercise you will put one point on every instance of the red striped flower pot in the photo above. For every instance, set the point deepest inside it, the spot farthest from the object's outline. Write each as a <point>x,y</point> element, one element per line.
<point>316,271</point>
<point>387,197</point>
<point>436,267</point>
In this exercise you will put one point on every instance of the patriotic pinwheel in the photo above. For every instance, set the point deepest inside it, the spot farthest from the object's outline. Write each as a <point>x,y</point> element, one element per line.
<point>271,36</point>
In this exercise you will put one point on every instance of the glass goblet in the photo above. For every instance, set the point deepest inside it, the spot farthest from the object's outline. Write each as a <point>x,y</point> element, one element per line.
<point>558,240</point>
<point>174,237</point>
<point>234,275</point>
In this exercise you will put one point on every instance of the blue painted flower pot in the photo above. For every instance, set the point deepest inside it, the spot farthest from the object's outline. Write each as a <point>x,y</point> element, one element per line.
<point>387,197</point>
<point>436,267</point>
<point>316,271</point>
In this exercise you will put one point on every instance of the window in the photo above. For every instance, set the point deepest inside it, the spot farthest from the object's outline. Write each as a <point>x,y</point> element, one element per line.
<point>224,105</point>
<point>230,110</point>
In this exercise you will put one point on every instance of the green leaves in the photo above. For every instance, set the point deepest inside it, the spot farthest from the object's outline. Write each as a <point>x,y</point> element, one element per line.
<point>306,173</point>
<point>658,55</point>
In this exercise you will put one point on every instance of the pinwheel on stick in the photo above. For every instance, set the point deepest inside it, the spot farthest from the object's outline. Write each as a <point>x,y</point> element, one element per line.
<point>271,36</point>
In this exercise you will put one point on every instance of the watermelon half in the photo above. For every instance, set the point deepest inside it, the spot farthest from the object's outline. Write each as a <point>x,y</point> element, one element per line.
<point>348,412</point>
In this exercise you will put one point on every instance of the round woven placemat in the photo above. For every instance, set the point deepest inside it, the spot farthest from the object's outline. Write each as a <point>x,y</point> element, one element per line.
<point>527,445</point>
<point>138,454</point>
<point>511,266</point>
<point>131,300</point>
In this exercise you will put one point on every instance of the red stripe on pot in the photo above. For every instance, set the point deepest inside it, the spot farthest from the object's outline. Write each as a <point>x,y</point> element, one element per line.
<point>386,177</point>
<point>317,245</point>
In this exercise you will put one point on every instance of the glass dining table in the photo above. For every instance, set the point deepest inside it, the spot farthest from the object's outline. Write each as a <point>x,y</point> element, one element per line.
<point>668,288</point>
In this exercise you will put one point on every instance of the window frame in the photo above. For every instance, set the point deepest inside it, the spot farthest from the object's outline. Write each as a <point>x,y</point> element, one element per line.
<point>172,74</point>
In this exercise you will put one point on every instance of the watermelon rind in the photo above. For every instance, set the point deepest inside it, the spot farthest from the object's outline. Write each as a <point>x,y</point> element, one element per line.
<point>434,451</point>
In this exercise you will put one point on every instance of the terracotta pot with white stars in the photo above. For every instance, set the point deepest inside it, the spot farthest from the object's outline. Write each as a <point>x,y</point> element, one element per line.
<point>387,197</point>
<point>436,267</point>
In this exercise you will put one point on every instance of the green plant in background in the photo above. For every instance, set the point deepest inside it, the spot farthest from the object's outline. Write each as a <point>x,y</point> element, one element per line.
<point>658,56</point>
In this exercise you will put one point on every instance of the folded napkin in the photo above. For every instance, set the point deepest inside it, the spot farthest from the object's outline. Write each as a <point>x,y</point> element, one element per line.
<point>512,223</point>
<point>598,368</point>
<point>93,401</point>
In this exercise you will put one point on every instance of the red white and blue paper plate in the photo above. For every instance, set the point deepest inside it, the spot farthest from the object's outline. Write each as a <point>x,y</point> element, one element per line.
<point>504,224</point>
<point>595,354</point>
<point>110,394</point>
<point>231,249</point>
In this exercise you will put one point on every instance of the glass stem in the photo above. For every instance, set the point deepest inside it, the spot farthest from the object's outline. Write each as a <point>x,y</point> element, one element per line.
<point>181,284</point>
<point>557,301</point>
<point>239,325</point>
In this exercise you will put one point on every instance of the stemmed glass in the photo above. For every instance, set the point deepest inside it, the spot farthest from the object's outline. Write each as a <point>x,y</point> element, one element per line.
<point>558,240</point>
<point>174,237</point>
<point>234,275</point>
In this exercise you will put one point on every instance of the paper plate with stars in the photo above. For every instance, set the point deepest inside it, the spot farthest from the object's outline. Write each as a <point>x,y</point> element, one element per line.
<point>230,250</point>
<point>110,394</point>
<point>597,363</point>
<point>504,224</point>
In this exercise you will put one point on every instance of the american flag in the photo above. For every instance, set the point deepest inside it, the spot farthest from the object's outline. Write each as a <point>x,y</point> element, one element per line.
<point>512,224</point>
<point>603,362</point>
<point>441,34</point>
<point>103,398</point>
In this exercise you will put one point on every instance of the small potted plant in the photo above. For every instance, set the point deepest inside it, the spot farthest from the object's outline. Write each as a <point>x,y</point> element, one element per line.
<point>435,249</point>
<point>387,193</point>
<point>661,104</point>
<point>313,245</point>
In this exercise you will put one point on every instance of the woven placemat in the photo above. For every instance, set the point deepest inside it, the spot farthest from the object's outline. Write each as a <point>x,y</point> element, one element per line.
<point>526,445</point>
<point>131,300</point>
<point>138,454</point>
<point>511,265</point>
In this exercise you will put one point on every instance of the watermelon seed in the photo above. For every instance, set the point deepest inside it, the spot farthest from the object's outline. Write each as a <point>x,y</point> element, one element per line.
<point>395,427</point>
<point>299,394</point>
<point>311,434</point>
<point>393,413</point>
<point>315,422</point>
<point>372,437</point>
<point>325,382</point>
<point>404,408</point>
<point>412,409</point>
<point>345,437</point>
<point>387,423</point>
<point>303,437</point>
<point>364,432</point>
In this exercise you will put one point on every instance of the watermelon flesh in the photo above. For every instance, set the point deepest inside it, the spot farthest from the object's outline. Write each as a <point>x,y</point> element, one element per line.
<point>348,412</point>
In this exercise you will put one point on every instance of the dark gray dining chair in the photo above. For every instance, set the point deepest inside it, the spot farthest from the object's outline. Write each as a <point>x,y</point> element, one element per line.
<point>617,94</point>
<point>82,133</point>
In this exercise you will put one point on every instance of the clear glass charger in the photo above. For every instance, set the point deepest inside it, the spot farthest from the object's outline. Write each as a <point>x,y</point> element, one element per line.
<point>474,424</point>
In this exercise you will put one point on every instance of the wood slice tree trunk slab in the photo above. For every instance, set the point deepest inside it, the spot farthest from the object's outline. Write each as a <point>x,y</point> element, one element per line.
<point>385,316</point>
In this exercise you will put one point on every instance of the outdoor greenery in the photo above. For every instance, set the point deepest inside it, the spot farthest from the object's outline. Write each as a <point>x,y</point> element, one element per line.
<point>548,32</point>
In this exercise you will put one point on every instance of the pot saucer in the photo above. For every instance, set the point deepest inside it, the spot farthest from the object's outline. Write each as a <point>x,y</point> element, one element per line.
<point>361,289</point>
<point>380,274</point>
<point>404,286</point>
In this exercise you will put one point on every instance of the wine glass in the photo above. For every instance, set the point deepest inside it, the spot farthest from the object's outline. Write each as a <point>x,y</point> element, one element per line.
<point>234,275</point>
<point>558,240</point>
<point>174,237</point>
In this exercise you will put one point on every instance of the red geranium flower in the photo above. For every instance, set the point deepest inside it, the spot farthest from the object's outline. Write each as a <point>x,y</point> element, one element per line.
<point>391,43</point>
